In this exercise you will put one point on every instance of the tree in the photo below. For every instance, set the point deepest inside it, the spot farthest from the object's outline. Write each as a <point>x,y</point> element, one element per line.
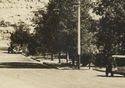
<point>111,33</point>
<point>57,29</point>
<point>20,37</point>
<point>20,29</point>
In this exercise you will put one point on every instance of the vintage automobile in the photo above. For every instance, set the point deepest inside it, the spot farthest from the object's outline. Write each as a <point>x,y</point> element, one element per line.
<point>116,66</point>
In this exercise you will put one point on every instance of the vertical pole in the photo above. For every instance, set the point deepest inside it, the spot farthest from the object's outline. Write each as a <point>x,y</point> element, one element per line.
<point>67,57</point>
<point>79,35</point>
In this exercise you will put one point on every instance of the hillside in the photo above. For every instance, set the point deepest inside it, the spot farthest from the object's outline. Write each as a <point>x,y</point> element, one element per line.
<point>14,11</point>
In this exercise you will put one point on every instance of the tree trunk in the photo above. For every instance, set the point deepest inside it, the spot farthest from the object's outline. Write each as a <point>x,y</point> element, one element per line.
<point>44,55</point>
<point>59,58</point>
<point>51,56</point>
<point>72,58</point>
<point>67,57</point>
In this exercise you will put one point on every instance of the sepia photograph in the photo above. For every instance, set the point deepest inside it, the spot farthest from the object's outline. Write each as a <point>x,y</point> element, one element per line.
<point>62,44</point>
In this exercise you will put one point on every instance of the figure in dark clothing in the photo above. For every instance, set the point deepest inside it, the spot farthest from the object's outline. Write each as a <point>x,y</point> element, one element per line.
<point>108,69</point>
<point>109,66</point>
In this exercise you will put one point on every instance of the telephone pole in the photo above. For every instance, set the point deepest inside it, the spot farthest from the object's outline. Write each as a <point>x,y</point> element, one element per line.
<point>79,34</point>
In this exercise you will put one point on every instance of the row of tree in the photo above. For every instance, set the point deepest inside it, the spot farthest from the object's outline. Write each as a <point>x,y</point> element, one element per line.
<point>56,29</point>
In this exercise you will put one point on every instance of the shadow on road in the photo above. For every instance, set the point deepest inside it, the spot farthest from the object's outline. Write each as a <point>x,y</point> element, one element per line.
<point>24,65</point>
<point>118,76</point>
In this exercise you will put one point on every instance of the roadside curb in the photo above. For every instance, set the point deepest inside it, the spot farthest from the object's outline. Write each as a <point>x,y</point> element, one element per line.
<point>101,70</point>
<point>32,59</point>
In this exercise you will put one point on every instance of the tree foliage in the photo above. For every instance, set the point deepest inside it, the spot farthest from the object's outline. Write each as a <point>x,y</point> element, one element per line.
<point>21,34</point>
<point>56,30</point>
<point>112,26</point>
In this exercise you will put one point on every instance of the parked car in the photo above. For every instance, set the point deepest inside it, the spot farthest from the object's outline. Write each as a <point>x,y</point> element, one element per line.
<point>116,66</point>
<point>14,49</point>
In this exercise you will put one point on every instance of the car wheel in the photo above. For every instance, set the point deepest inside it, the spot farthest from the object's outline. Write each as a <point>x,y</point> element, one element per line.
<point>112,74</point>
<point>106,74</point>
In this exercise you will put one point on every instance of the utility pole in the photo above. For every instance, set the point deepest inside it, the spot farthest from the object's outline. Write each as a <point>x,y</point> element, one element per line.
<point>79,35</point>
